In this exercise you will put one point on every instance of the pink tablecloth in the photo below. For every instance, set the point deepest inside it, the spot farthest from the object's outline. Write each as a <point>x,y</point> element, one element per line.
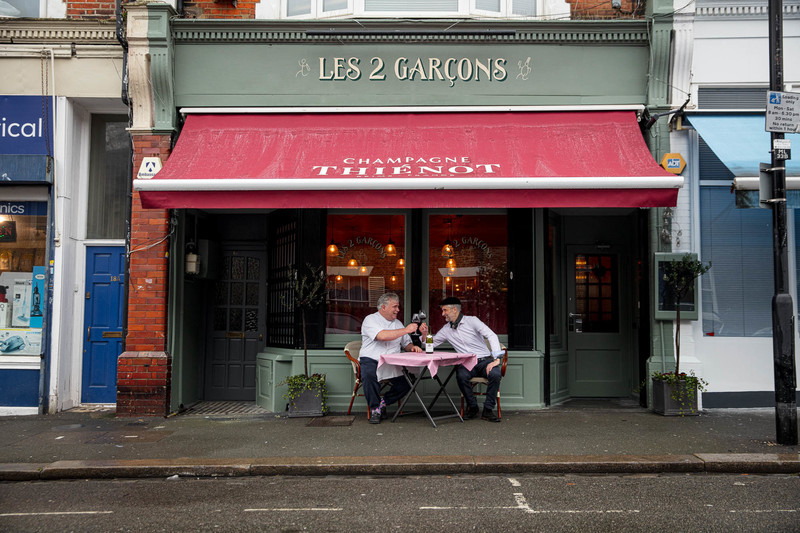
<point>432,361</point>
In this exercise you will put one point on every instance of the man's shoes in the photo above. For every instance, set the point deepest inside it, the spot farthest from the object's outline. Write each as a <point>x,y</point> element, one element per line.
<point>382,407</point>
<point>375,416</point>
<point>472,412</point>
<point>488,415</point>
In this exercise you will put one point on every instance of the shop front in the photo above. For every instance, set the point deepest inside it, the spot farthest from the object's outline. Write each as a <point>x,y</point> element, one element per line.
<point>422,163</point>
<point>25,290</point>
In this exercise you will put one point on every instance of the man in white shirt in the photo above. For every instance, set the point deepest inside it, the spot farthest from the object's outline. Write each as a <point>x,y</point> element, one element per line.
<point>382,333</point>
<point>467,334</point>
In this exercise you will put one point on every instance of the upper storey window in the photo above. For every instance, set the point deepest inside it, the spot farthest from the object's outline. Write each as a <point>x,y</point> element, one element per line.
<point>414,8</point>
<point>19,8</point>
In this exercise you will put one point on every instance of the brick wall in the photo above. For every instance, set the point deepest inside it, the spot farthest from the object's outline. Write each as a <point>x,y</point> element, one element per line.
<point>220,9</point>
<point>91,9</point>
<point>143,384</point>
<point>601,9</point>
<point>144,370</point>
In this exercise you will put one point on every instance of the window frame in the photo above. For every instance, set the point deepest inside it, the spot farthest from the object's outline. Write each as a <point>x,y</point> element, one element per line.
<point>466,8</point>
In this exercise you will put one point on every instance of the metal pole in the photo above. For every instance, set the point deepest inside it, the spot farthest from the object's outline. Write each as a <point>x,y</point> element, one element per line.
<point>782,306</point>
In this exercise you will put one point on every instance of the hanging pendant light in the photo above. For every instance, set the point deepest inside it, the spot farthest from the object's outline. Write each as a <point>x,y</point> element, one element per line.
<point>401,263</point>
<point>451,264</point>
<point>393,279</point>
<point>352,263</point>
<point>447,249</point>
<point>363,269</point>
<point>339,278</point>
<point>332,249</point>
<point>390,249</point>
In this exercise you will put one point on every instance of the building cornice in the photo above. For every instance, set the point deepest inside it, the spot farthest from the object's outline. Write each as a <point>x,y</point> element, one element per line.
<point>418,32</point>
<point>53,31</point>
<point>743,10</point>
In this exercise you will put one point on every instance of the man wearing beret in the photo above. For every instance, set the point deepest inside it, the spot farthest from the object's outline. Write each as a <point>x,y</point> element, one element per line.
<point>468,334</point>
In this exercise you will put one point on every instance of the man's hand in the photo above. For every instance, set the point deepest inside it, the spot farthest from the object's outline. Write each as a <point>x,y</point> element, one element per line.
<point>491,365</point>
<point>423,329</point>
<point>416,349</point>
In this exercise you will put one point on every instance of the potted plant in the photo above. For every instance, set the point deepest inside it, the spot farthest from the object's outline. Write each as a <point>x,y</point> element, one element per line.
<point>675,393</point>
<point>307,394</point>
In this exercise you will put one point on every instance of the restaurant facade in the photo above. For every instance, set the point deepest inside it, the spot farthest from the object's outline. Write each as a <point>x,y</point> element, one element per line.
<point>510,163</point>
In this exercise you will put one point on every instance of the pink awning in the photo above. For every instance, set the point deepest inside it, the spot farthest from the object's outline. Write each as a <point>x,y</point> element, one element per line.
<point>405,160</point>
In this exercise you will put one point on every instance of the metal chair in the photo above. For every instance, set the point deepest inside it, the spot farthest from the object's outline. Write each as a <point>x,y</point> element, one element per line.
<point>351,350</point>
<point>484,381</point>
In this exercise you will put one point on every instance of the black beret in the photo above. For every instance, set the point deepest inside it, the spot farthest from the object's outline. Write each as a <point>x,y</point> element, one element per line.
<point>450,300</point>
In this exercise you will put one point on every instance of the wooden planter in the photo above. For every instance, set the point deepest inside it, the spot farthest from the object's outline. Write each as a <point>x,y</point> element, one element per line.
<point>309,403</point>
<point>665,404</point>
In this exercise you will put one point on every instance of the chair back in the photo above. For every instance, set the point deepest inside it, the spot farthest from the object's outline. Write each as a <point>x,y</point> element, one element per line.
<point>351,350</point>
<point>505,357</point>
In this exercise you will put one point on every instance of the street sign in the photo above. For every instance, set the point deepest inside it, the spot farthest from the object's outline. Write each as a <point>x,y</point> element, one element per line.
<point>673,163</point>
<point>782,148</point>
<point>783,112</point>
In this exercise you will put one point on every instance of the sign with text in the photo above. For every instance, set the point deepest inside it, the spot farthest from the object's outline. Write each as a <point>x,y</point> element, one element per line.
<point>783,112</point>
<point>26,125</point>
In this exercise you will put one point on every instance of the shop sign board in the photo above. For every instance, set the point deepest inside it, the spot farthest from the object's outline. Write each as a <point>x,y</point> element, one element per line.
<point>783,112</point>
<point>673,163</point>
<point>26,125</point>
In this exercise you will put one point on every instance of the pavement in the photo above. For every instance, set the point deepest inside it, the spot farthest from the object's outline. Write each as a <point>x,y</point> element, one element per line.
<point>590,437</point>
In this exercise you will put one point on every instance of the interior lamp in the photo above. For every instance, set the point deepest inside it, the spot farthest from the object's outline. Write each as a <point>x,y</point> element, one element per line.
<point>332,249</point>
<point>390,249</point>
<point>447,249</point>
<point>352,263</point>
<point>401,263</point>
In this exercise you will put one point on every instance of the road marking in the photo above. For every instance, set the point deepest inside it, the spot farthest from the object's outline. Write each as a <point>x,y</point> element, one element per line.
<point>285,509</point>
<point>56,513</point>
<point>763,511</point>
<point>514,482</point>
<point>522,504</point>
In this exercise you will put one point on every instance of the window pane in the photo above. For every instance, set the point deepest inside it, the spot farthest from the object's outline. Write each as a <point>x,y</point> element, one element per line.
<point>737,291</point>
<point>411,5</point>
<point>19,8</point>
<point>298,7</point>
<point>333,5</point>
<point>523,7</point>
<point>363,267</point>
<point>488,5</point>
<point>478,270</point>
<point>108,175</point>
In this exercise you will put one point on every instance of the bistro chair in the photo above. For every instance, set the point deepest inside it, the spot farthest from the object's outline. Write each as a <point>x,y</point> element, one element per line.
<point>477,381</point>
<point>351,350</point>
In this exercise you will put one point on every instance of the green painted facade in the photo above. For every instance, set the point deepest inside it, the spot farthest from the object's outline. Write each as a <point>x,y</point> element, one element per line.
<point>306,64</point>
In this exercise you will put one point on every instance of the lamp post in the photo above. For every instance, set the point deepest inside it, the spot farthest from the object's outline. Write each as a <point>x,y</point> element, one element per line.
<point>782,306</point>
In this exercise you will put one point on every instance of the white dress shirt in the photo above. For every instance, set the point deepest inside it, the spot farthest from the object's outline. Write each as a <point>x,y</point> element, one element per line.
<point>469,336</point>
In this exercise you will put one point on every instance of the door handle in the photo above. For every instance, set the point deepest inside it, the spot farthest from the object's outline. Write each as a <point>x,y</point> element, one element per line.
<point>576,322</point>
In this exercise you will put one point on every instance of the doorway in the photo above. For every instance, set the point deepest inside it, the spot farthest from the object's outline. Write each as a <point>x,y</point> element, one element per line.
<point>601,289</point>
<point>236,325</point>
<point>102,344</point>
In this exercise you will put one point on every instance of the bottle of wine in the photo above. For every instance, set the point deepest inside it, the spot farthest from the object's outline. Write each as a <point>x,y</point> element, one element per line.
<point>429,343</point>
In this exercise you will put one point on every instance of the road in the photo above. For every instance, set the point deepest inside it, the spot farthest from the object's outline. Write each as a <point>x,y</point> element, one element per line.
<point>696,502</point>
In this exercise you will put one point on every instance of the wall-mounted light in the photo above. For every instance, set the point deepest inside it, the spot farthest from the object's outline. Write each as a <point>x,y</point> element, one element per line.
<point>192,265</point>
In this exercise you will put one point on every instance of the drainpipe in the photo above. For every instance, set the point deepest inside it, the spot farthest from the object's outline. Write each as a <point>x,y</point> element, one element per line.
<point>120,32</point>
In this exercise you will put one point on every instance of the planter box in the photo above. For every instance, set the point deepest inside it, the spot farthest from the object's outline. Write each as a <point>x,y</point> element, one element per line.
<point>309,403</point>
<point>664,404</point>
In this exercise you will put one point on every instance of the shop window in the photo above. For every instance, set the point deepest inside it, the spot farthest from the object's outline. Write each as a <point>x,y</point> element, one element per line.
<point>474,268</point>
<point>365,258</point>
<point>23,245</point>
<point>737,291</point>
<point>108,177</point>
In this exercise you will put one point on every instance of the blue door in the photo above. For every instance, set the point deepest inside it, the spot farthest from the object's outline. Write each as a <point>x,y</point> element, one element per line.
<point>102,323</point>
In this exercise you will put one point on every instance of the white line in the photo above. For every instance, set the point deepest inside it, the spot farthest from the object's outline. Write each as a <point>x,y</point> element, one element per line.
<point>56,513</point>
<point>285,509</point>
<point>763,511</point>
<point>514,482</point>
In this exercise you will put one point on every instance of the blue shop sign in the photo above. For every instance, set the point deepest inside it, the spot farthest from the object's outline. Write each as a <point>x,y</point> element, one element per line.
<point>23,208</point>
<point>26,125</point>
<point>26,138</point>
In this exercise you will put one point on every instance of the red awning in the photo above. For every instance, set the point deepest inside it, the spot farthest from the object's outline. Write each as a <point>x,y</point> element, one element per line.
<point>404,160</point>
